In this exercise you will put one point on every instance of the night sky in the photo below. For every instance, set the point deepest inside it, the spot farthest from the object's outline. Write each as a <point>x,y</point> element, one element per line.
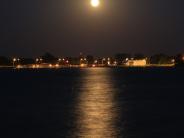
<point>67,27</point>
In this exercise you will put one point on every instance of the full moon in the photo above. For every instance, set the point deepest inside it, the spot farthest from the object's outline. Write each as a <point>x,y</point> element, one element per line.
<point>95,3</point>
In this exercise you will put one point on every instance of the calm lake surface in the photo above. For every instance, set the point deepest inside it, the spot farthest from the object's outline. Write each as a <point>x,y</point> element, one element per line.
<point>92,103</point>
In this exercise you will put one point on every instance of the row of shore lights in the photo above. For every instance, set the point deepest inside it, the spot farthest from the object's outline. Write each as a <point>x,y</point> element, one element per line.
<point>103,60</point>
<point>59,60</point>
<point>50,65</point>
<point>82,59</point>
<point>40,60</point>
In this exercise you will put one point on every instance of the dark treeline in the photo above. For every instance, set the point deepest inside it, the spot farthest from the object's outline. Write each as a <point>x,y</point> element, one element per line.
<point>119,58</point>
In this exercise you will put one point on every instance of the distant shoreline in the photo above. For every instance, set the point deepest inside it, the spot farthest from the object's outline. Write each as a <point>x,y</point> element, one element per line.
<point>78,66</point>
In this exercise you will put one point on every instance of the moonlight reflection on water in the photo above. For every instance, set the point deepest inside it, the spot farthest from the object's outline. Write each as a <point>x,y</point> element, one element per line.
<point>96,111</point>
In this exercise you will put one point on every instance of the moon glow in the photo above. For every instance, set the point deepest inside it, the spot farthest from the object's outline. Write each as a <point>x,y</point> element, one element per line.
<point>95,3</point>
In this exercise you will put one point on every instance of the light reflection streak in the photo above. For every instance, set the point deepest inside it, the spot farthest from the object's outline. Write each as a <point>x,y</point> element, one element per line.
<point>96,111</point>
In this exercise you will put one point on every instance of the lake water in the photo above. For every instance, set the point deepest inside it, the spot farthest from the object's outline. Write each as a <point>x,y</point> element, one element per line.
<point>92,103</point>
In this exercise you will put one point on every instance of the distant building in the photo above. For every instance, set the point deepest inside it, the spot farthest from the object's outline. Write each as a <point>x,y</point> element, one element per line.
<point>139,63</point>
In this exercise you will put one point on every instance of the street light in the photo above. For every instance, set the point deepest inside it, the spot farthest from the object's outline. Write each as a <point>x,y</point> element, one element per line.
<point>18,60</point>
<point>109,61</point>
<point>96,61</point>
<point>86,61</point>
<point>173,60</point>
<point>103,60</point>
<point>59,60</point>
<point>14,60</point>
<point>81,60</point>
<point>39,60</point>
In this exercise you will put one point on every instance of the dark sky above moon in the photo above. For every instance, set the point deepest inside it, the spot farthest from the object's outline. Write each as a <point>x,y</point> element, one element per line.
<point>67,27</point>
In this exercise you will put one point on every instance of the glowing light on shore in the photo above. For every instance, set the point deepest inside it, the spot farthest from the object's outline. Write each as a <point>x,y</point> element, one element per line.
<point>93,65</point>
<point>109,63</point>
<point>14,59</point>
<point>37,66</point>
<point>83,65</point>
<point>57,65</point>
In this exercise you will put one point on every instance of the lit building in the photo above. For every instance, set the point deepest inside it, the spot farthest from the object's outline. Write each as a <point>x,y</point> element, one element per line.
<point>132,62</point>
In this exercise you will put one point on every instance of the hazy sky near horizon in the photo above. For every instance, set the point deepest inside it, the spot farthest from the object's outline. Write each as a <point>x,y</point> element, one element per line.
<point>67,27</point>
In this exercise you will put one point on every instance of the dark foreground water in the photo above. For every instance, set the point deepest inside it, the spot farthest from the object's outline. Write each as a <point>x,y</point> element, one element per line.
<point>92,103</point>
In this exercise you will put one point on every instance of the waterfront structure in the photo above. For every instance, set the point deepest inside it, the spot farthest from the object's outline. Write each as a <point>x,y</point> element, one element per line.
<point>132,62</point>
